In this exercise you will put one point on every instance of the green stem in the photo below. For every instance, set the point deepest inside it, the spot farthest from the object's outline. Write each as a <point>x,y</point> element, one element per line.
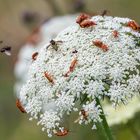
<point>104,125</point>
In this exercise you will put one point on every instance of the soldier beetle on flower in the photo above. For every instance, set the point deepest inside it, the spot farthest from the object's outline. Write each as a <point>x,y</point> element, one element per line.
<point>100,44</point>
<point>84,114</point>
<point>49,77</point>
<point>19,106</point>
<point>82,17</point>
<point>72,67</point>
<point>84,21</point>
<point>61,133</point>
<point>87,23</point>
<point>34,56</point>
<point>133,25</point>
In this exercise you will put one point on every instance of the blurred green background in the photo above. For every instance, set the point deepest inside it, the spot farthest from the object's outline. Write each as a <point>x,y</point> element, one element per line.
<point>13,124</point>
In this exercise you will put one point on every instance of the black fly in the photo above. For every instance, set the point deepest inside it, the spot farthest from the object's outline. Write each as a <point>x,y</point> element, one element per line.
<point>54,44</point>
<point>5,49</point>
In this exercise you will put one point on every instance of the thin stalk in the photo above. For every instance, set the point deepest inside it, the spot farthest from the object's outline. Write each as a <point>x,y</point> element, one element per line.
<point>104,125</point>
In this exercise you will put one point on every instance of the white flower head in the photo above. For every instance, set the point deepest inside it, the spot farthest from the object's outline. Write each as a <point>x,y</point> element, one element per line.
<point>46,32</point>
<point>95,57</point>
<point>49,120</point>
<point>90,113</point>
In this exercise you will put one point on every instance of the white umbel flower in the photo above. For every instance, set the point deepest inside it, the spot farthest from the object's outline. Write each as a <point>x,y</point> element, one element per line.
<point>97,57</point>
<point>92,113</point>
<point>46,33</point>
<point>49,120</point>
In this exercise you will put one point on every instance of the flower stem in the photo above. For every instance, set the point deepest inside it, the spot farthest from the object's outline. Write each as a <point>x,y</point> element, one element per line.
<point>104,125</point>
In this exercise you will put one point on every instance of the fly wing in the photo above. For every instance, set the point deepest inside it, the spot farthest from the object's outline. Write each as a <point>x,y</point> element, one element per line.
<point>6,50</point>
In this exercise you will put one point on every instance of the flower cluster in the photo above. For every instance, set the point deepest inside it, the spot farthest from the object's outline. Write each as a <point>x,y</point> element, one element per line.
<point>93,61</point>
<point>35,41</point>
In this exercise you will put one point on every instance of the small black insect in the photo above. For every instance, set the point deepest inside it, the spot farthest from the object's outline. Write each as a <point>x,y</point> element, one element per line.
<point>6,50</point>
<point>75,51</point>
<point>55,44</point>
<point>104,12</point>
